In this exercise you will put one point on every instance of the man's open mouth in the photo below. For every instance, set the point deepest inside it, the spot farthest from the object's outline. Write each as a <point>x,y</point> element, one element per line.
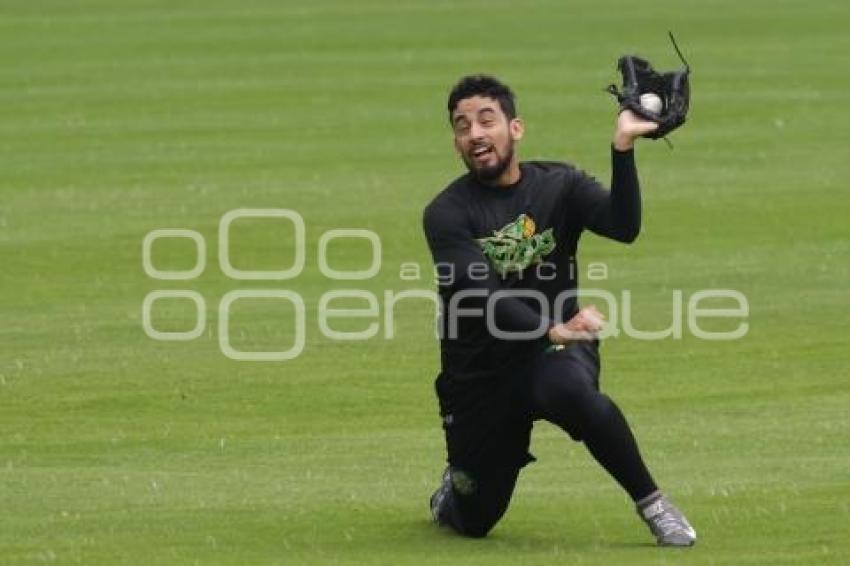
<point>482,152</point>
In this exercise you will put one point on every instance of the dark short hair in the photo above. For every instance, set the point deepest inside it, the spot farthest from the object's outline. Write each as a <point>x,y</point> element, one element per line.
<point>483,85</point>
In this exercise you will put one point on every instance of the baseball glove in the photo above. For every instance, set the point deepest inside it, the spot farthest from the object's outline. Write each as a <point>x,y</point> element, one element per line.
<point>672,88</point>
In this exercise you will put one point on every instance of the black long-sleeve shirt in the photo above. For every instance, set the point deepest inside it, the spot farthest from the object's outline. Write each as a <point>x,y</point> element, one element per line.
<point>554,195</point>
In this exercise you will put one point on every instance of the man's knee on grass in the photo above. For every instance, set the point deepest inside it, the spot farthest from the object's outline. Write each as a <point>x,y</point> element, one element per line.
<point>479,505</point>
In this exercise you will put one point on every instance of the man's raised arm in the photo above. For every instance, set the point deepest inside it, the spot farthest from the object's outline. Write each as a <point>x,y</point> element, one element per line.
<point>615,214</point>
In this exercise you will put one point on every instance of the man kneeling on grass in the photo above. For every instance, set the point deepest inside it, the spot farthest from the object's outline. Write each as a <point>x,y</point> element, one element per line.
<point>505,362</point>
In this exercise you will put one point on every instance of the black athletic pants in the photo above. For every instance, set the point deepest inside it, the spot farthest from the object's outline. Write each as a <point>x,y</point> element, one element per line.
<point>559,387</point>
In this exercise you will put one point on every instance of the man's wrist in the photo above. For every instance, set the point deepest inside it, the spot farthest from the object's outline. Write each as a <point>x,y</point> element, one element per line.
<point>623,142</point>
<point>555,337</point>
<point>556,344</point>
<point>551,335</point>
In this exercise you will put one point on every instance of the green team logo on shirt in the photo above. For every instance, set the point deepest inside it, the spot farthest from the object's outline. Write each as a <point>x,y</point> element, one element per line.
<point>516,246</point>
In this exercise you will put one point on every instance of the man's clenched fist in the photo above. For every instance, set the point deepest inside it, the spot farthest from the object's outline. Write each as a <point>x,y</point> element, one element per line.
<point>585,325</point>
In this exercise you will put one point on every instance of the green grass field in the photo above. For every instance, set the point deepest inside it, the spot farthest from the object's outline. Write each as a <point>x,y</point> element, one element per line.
<point>118,118</point>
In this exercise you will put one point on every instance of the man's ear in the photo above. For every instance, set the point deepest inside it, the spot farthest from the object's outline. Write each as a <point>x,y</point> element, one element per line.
<point>516,128</point>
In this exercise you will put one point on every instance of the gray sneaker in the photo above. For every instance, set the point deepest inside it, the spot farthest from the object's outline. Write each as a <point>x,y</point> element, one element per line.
<point>667,523</point>
<point>440,495</point>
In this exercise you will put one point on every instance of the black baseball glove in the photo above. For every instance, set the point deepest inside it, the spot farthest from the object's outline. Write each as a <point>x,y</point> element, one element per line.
<point>672,88</point>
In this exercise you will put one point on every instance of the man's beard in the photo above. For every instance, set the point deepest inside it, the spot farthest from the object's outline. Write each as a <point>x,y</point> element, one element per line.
<point>492,172</point>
